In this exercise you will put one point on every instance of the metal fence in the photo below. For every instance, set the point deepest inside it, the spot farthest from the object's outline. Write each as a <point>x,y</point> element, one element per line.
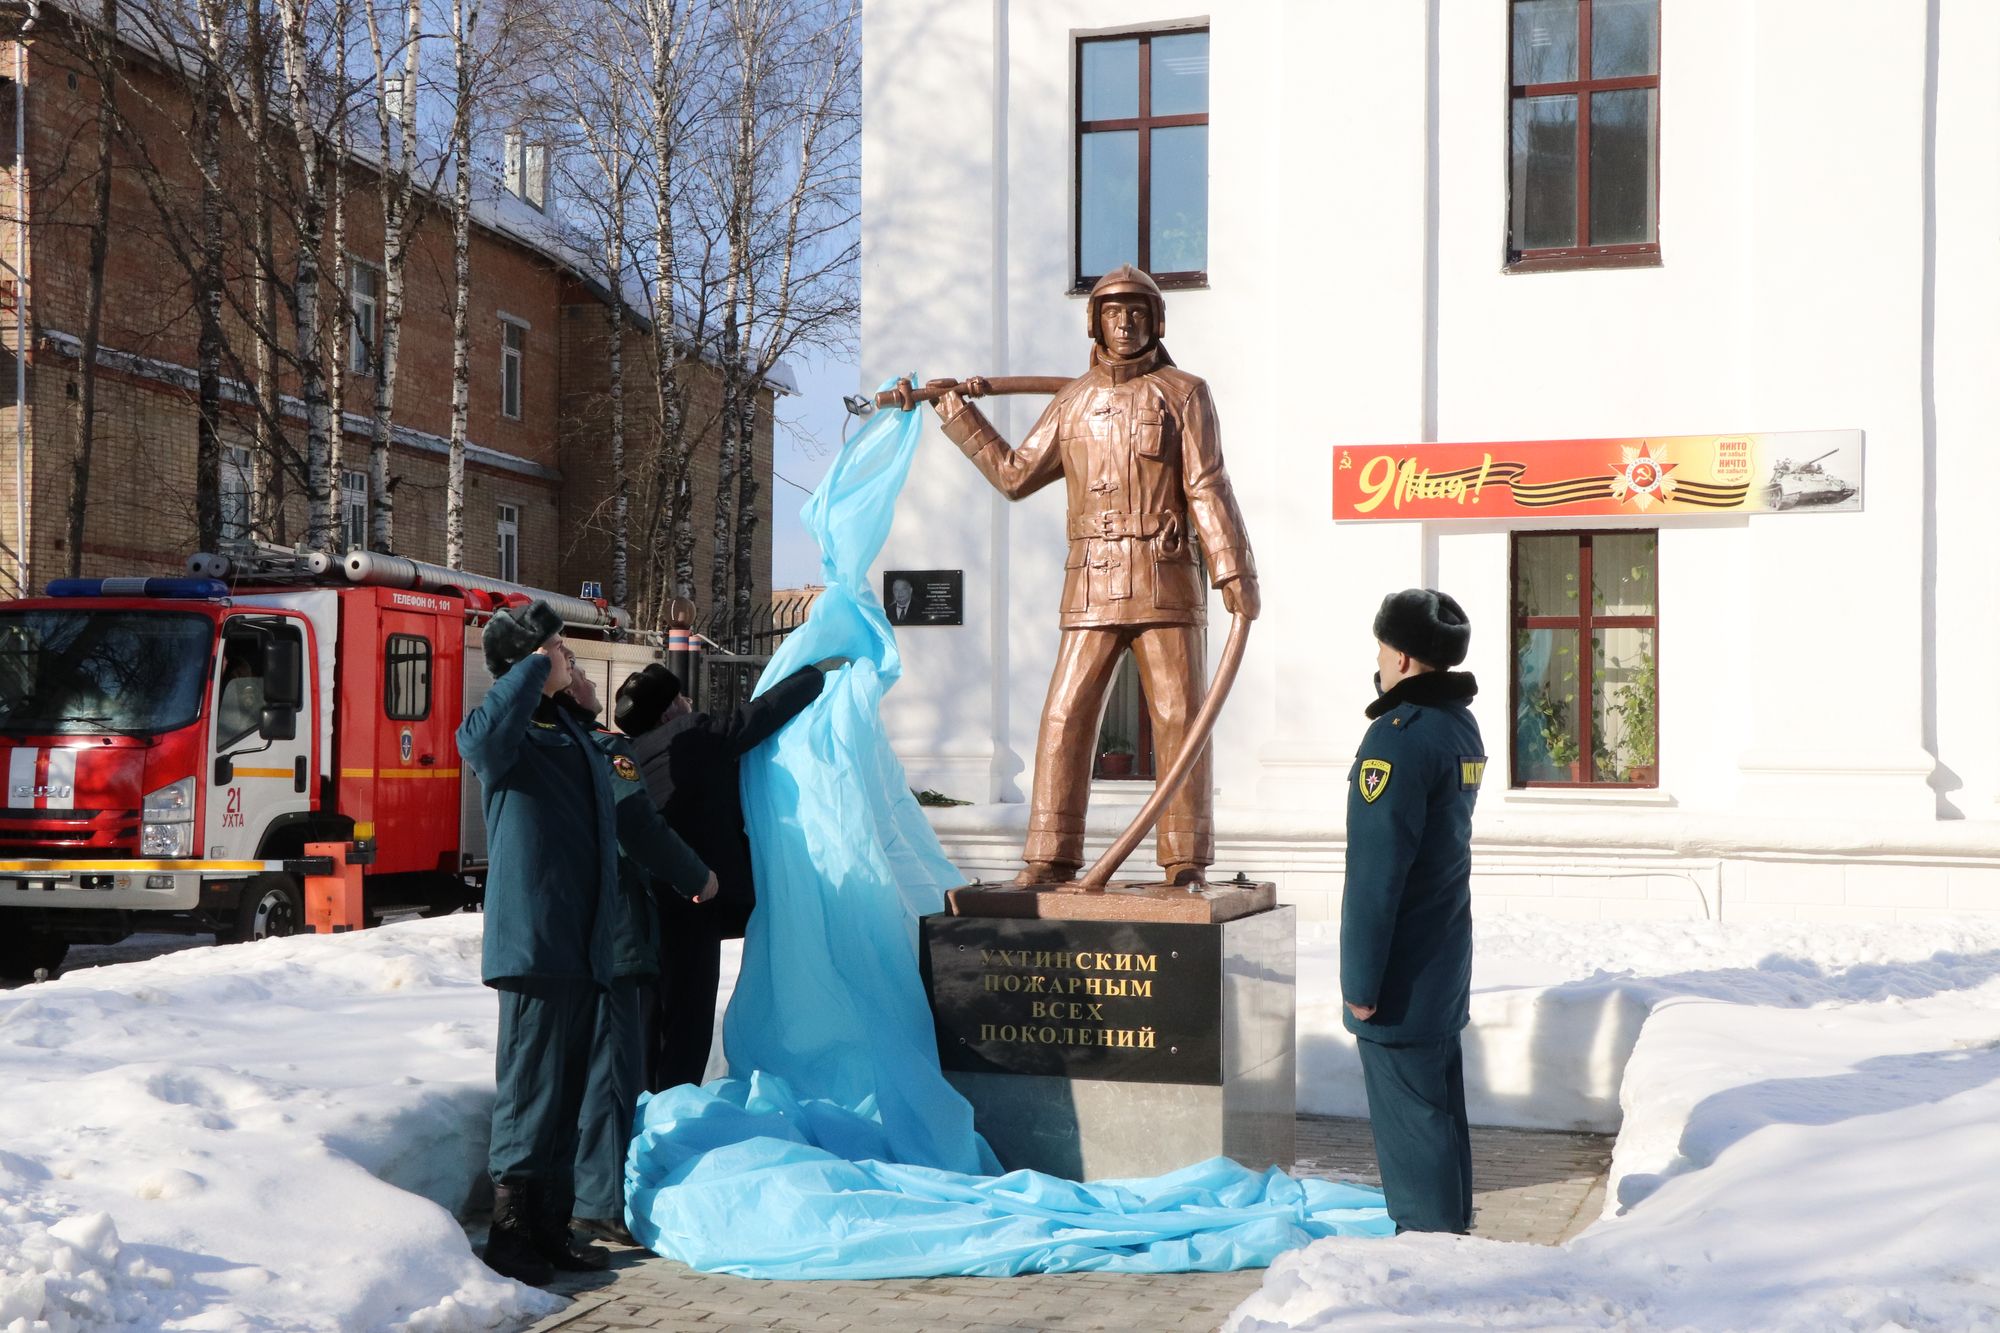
<point>727,664</point>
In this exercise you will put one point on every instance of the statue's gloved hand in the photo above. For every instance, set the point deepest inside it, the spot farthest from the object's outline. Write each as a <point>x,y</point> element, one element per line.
<point>948,404</point>
<point>1240,595</point>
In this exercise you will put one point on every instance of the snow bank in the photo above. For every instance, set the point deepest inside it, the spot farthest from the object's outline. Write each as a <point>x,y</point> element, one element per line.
<point>261,1136</point>
<point>1557,1006</point>
<point>1809,1139</point>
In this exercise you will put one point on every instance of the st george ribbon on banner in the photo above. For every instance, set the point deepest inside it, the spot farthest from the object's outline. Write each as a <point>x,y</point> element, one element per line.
<point>835,1148</point>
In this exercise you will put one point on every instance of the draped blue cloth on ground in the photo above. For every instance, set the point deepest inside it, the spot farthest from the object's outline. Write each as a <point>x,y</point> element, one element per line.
<point>836,1148</point>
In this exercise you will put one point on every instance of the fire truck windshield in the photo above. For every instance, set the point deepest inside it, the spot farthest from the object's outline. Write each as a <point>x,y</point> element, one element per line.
<point>92,671</point>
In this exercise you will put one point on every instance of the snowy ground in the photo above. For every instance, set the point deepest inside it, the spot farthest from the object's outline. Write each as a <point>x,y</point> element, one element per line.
<point>263,1136</point>
<point>1811,1135</point>
<point>279,1136</point>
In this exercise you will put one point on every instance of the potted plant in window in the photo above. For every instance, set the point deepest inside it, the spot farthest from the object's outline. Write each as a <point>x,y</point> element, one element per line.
<point>1638,705</point>
<point>1114,754</point>
<point>1563,751</point>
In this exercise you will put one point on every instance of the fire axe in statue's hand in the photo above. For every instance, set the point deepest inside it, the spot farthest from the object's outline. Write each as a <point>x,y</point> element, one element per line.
<point>905,397</point>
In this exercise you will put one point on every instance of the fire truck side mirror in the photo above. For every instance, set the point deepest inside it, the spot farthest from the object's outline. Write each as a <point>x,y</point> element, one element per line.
<point>279,724</point>
<point>284,683</point>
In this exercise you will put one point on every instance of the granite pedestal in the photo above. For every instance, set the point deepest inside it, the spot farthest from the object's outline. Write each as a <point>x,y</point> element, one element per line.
<point>1096,1049</point>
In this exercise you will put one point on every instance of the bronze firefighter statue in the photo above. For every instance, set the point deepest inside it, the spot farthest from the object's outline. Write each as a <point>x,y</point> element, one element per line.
<point>1136,439</point>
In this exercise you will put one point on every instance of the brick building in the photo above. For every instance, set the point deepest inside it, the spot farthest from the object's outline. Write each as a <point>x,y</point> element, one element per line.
<point>538,477</point>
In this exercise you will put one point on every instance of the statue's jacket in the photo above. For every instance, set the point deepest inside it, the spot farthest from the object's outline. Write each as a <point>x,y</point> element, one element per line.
<point>1141,451</point>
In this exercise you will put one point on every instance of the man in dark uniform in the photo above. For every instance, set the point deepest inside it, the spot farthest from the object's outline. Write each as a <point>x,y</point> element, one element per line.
<point>1406,909</point>
<point>691,766</point>
<point>554,918</point>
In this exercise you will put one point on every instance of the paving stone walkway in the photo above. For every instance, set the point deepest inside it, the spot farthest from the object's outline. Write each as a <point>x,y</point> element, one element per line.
<point>1533,1187</point>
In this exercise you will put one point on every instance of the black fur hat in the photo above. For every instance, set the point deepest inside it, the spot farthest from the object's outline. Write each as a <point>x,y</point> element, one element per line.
<point>644,697</point>
<point>1425,623</point>
<point>513,634</point>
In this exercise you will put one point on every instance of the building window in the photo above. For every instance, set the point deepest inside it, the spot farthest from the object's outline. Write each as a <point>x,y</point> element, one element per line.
<point>525,166</point>
<point>406,678</point>
<point>1142,156</point>
<point>510,543</point>
<point>513,343</point>
<point>9,121</point>
<point>1125,737</point>
<point>1584,133</point>
<point>353,510</point>
<point>235,492</point>
<point>364,300</point>
<point>1586,659</point>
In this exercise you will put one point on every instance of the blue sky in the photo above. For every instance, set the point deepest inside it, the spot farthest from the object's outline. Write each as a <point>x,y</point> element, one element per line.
<point>808,437</point>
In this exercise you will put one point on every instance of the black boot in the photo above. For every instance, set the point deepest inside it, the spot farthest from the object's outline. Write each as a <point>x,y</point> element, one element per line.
<point>555,1244</point>
<point>511,1250</point>
<point>604,1228</point>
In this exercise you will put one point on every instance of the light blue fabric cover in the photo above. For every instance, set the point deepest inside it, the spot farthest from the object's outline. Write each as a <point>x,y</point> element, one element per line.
<point>836,1148</point>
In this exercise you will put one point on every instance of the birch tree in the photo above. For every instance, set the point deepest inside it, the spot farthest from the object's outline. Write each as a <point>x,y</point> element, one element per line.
<point>597,124</point>
<point>672,37</point>
<point>464,24</point>
<point>396,127</point>
<point>783,171</point>
<point>302,79</point>
<point>103,50</point>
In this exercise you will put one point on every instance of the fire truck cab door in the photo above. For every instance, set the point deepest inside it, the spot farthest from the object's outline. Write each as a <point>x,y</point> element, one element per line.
<point>265,777</point>
<point>416,756</point>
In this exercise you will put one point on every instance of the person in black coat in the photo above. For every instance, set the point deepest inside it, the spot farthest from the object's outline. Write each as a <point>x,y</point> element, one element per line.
<point>1406,908</point>
<point>691,764</point>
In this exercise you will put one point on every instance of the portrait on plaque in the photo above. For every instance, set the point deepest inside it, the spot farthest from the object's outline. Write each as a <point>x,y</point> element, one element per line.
<point>924,596</point>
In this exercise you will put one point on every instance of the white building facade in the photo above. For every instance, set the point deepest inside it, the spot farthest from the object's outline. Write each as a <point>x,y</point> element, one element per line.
<point>1792,228</point>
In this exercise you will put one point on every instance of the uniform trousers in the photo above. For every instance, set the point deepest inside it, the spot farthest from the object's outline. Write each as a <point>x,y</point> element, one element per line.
<point>1416,1107</point>
<point>611,1100</point>
<point>541,1069</point>
<point>683,1027</point>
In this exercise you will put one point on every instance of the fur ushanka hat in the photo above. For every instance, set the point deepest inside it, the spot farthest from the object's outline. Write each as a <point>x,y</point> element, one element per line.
<point>513,634</point>
<point>1425,623</point>
<point>644,697</point>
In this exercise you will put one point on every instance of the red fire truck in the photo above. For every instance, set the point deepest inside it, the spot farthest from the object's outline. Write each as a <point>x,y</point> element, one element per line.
<point>172,745</point>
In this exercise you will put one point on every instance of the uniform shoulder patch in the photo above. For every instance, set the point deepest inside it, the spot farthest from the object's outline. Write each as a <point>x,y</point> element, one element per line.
<point>622,765</point>
<point>1374,778</point>
<point>1471,771</point>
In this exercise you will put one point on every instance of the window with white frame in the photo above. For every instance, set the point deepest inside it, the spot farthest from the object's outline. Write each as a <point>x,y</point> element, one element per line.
<point>364,300</point>
<point>235,491</point>
<point>510,543</point>
<point>353,510</point>
<point>513,347</point>
<point>525,167</point>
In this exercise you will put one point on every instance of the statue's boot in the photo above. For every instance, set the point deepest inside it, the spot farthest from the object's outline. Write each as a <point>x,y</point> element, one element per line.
<point>1045,872</point>
<point>1186,872</point>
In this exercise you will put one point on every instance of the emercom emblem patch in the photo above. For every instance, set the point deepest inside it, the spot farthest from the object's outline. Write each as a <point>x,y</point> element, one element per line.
<point>1374,779</point>
<point>624,768</point>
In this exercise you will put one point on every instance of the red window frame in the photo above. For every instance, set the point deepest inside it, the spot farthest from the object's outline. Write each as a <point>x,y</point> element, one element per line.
<point>1583,254</point>
<point>1145,123</point>
<point>1584,622</point>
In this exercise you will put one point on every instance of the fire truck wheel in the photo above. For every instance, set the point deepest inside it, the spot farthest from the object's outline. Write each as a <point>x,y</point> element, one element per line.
<point>271,907</point>
<point>22,955</point>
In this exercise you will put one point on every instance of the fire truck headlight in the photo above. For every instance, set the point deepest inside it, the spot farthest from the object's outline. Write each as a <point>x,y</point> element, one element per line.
<point>167,829</point>
<point>166,840</point>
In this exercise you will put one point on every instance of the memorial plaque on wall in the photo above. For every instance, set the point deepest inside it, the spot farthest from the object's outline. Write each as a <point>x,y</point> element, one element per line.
<point>924,596</point>
<point>1130,1001</point>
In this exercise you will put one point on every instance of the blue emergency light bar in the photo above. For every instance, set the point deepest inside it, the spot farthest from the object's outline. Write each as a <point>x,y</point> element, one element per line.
<point>199,589</point>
